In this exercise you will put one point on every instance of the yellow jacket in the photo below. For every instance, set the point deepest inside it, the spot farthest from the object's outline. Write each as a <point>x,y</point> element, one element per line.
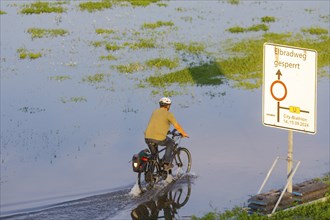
<point>159,124</point>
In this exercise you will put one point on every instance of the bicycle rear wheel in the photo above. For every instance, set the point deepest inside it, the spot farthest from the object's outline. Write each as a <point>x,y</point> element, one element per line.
<point>150,177</point>
<point>181,162</point>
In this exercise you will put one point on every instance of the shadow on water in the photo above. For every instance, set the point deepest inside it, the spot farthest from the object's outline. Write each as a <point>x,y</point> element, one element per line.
<point>206,74</point>
<point>161,202</point>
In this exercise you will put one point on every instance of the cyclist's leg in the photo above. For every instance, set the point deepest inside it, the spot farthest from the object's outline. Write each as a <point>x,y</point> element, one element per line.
<point>169,143</point>
<point>153,145</point>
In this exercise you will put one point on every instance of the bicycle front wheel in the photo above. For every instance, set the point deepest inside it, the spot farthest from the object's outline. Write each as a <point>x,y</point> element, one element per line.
<point>181,162</point>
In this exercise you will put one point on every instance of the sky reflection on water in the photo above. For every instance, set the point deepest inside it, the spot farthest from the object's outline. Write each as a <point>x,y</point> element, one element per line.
<point>53,149</point>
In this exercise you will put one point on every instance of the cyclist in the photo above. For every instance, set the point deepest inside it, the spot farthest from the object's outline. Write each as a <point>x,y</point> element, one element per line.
<point>158,126</point>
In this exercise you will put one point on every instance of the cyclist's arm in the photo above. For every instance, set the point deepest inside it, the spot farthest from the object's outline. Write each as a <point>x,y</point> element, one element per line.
<point>178,127</point>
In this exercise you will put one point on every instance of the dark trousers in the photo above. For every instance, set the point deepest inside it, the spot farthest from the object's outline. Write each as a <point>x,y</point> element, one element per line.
<point>168,142</point>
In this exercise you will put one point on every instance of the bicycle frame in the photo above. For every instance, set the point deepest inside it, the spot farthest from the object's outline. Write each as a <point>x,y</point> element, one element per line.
<point>156,159</point>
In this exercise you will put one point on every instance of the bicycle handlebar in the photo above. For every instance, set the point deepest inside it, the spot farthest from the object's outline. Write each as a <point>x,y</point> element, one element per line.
<point>175,133</point>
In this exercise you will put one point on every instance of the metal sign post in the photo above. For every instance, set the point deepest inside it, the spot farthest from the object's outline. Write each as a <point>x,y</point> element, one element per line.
<point>290,159</point>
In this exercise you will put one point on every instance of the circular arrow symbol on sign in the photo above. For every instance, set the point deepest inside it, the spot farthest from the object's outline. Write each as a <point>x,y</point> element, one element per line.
<point>285,90</point>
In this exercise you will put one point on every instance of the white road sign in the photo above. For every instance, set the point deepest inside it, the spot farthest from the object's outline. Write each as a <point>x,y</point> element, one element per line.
<point>289,88</point>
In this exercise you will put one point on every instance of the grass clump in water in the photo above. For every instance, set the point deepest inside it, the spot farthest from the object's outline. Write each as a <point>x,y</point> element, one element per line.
<point>40,32</point>
<point>112,47</point>
<point>163,62</point>
<point>96,78</point>
<point>108,57</point>
<point>92,6</point>
<point>104,31</point>
<point>315,31</point>
<point>236,29</point>
<point>142,3</point>
<point>162,4</point>
<point>193,47</point>
<point>43,7</point>
<point>158,24</point>
<point>23,53</point>
<point>143,43</point>
<point>98,43</point>
<point>60,78</point>
<point>2,12</point>
<point>130,68</point>
<point>257,27</point>
<point>268,19</point>
<point>233,2</point>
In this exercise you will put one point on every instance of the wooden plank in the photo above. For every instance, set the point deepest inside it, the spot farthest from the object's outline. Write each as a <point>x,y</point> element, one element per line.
<point>308,187</point>
<point>269,198</point>
<point>303,192</point>
<point>311,196</point>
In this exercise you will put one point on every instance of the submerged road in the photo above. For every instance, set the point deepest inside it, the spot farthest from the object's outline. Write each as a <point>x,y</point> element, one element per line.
<point>163,201</point>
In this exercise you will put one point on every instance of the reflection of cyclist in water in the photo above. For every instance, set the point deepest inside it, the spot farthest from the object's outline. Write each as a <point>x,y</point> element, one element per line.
<point>147,210</point>
<point>169,201</point>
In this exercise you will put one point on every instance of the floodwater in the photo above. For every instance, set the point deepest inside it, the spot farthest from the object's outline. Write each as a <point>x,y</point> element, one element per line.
<point>66,144</point>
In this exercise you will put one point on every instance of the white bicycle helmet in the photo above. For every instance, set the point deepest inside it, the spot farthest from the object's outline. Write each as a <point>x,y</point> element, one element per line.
<point>165,101</point>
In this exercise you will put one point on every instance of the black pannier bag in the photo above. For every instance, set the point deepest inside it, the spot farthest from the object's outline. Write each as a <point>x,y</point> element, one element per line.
<point>140,160</point>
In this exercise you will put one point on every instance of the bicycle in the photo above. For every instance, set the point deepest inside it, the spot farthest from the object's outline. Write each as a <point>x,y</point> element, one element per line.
<point>153,167</point>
